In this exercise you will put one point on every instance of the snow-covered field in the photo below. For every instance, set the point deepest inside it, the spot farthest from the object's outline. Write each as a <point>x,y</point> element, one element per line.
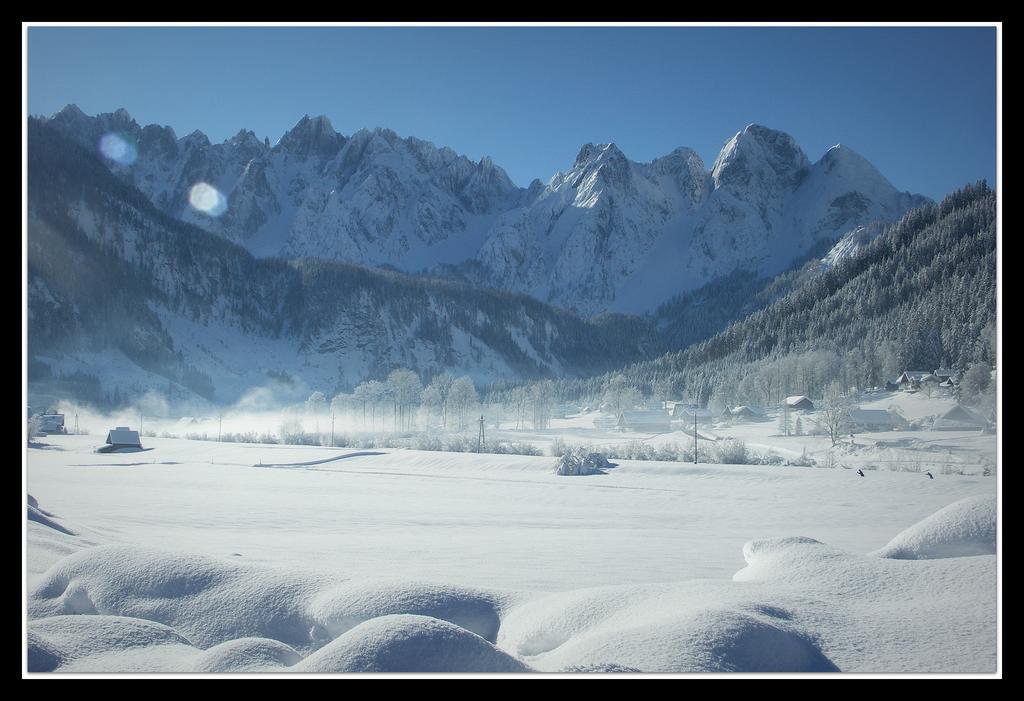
<point>195,556</point>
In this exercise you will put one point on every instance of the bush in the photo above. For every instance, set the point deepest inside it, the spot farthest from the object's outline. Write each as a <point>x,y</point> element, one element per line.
<point>732,451</point>
<point>579,462</point>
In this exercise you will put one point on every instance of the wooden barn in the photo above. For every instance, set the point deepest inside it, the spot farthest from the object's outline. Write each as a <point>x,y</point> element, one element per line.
<point>800,402</point>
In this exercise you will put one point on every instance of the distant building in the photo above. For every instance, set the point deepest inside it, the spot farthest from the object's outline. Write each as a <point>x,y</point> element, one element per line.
<point>121,437</point>
<point>52,422</point>
<point>911,379</point>
<point>871,420</point>
<point>744,413</point>
<point>686,414</point>
<point>960,418</point>
<point>606,421</point>
<point>800,402</point>
<point>645,421</point>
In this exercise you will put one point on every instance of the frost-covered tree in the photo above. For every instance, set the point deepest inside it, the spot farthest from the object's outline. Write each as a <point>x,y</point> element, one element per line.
<point>316,405</point>
<point>404,389</point>
<point>430,401</point>
<point>542,397</point>
<point>442,384</point>
<point>373,393</point>
<point>785,426</point>
<point>462,400</point>
<point>974,382</point>
<point>834,413</point>
<point>520,399</point>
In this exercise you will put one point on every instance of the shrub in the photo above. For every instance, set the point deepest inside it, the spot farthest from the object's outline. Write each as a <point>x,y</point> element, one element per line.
<point>732,451</point>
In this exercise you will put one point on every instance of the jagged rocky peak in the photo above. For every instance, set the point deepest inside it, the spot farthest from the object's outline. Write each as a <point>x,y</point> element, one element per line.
<point>70,111</point>
<point>159,140</point>
<point>759,152</point>
<point>599,154</point>
<point>196,139</point>
<point>121,115</point>
<point>312,135</point>
<point>679,160</point>
<point>246,145</point>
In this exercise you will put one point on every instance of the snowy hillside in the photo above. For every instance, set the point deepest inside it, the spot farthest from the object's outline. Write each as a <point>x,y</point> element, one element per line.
<point>607,234</point>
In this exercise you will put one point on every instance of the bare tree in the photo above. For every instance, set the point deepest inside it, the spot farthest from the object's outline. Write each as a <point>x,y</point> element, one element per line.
<point>834,413</point>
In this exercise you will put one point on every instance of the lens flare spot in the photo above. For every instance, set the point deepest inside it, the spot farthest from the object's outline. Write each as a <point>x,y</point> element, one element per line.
<point>207,199</point>
<point>119,148</point>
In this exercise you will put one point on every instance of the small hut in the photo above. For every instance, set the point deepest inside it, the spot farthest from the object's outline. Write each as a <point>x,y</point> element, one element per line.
<point>800,402</point>
<point>121,437</point>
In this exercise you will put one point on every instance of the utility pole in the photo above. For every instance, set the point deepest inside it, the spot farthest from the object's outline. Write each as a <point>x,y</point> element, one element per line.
<point>332,429</point>
<point>480,438</point>
<point>220,420</point>
<point>76,422</point>
<point>694,436</point>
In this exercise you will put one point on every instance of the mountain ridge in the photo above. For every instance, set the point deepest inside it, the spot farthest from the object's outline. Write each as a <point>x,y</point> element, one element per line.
<point>608,234</point>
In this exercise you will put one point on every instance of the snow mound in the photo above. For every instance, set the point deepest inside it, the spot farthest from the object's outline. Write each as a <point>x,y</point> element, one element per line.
<point>964,528</point>
<point>246,655</point>
<point>347,605</point>
<point>209,601</point>
<point>213,602</point>
<point>685,627</point>
<point>409,643</point>
<point>107,643</point>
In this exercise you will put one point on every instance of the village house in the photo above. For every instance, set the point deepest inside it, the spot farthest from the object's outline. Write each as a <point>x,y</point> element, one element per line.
<point>644,421</point>
<point>910,380</point>
<point>871,420</point>
<point>686,414</point>
<point>121,437</point>
<point>960,418</point>
<point>742,413</point>
<point>800,402</point>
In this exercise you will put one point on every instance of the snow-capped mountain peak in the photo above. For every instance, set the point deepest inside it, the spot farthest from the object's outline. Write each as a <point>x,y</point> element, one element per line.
<point>759,153</point>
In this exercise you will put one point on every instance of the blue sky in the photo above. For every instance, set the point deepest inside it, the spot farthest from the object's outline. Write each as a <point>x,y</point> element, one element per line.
<point>919,103</point>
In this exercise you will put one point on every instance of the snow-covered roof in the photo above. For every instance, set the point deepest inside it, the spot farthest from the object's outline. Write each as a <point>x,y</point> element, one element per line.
<point>913,375</point>
<point>879,417</point>
<point>692,411</point>
<point>745,410</point>
<point>122,435</point>
<point>793,401</point>
<point>644,417</point>
<point>962,413</point>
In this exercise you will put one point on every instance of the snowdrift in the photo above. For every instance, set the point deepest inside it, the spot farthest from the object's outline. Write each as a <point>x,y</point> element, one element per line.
<point>966,527</point>
<point>687,627</point>
<point>408,643</point>
<point>798,605</point>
